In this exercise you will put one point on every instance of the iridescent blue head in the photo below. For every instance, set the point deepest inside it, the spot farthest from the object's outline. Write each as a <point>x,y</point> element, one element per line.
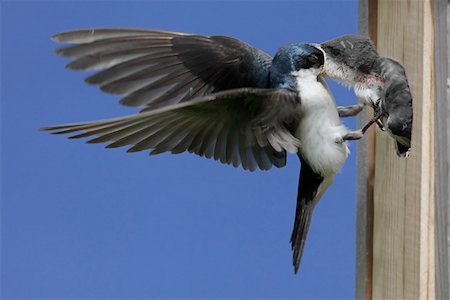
<point>293,58</point>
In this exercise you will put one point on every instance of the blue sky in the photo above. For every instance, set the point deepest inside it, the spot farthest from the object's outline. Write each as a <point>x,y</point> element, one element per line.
<point>80,221</point>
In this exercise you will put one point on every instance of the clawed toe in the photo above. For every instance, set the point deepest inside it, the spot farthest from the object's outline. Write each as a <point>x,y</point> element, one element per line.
<point>380,125</point>
<point>354,135</point>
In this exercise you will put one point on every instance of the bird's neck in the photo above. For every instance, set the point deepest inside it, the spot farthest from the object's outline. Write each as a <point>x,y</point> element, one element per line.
<point>369,88</point>
<point>305,75</point>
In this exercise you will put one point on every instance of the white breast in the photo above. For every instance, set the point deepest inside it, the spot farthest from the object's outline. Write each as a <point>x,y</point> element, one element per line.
<point>367,94</point>
<point>320,127</point>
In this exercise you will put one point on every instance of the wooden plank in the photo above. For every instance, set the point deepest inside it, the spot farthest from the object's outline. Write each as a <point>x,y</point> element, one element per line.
<point>366,165</point>
<point>411,241</point>
<point>448,135</point>
<point>403,260</point>
<point>442,115</point>
<point>371,158</point>
<point>362,247</point>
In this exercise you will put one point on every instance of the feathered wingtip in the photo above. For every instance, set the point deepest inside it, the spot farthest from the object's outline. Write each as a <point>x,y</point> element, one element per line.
<point>88,35</point>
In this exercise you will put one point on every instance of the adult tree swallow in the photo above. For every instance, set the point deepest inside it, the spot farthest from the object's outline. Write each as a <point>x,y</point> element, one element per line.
<point>217,97</point>
<point>377,81</point>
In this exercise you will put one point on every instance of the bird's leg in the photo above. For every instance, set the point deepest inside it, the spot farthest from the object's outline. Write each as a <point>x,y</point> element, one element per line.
<point>349,136</point>
<point>375,119</point>
<point>380,125</point>
<point>350,111</point>
<point>377,114</point>
<point>358,134</point>
<point>353,135</point>
<point>353,110</point>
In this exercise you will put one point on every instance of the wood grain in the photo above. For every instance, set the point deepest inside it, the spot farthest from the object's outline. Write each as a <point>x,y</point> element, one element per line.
<point>403,260</point>
<point>366,165</point>
<point>442,115</point>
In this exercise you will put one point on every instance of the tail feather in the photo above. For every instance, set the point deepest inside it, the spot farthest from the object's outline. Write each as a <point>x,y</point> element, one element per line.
<point>300,233</point>
<point>310,189</point>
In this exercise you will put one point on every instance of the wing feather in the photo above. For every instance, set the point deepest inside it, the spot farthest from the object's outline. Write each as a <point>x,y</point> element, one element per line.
<point>155,68</point>
<point>236,127</point>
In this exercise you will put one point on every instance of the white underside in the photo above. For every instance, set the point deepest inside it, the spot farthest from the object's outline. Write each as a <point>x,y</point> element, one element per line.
<point>320,127</point>
<point>368,96</point>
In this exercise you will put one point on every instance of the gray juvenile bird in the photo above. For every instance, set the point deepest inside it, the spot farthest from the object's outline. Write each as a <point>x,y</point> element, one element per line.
<point>377,81</point>
<point>219,98</point>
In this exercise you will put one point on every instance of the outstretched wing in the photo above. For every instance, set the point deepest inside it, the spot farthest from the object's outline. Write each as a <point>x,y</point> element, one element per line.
<point>248,127</point>
<point>154,68</point>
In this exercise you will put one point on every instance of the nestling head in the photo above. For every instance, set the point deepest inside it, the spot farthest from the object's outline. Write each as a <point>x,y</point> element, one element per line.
<point>348,57</point>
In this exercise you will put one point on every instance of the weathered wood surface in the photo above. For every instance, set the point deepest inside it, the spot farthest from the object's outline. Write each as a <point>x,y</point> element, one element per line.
<point>403,257</point>
<point>441,14</point>
<point>366,164</point>
<point>410,196</point>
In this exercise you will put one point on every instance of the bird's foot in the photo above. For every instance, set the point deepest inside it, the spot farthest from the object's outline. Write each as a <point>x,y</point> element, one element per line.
<point>377,104</point>
<point>350,111</point>
<point>380,125</point>
<point>353,135</point>
<point>349,136</point>
<point>375,119</point>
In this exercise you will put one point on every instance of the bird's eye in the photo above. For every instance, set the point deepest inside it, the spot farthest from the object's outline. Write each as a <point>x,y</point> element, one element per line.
<point>297,57</point>
<point>313,58</point>
<point>335,52</point>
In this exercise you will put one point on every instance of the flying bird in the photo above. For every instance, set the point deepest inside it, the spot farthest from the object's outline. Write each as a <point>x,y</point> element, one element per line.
<point>217,97</point>
<point>378,81</point>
